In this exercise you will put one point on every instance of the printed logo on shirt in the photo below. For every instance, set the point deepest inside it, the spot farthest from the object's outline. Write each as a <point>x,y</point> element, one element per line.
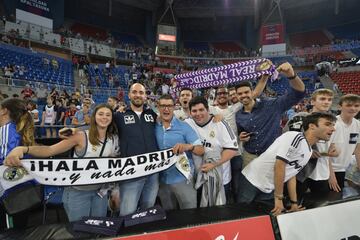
<point>291,152</point>
<point>295,164</point>
<point>148,118</point>
<point>205,143</point>
<point>129,119</point>
<point>354,137</point>
<point>212,134</point>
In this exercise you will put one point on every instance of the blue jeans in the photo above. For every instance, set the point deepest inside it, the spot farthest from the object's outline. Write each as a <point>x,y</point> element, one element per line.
<point>78,204</point>
<point>138,193</point>
<point>248,193</point>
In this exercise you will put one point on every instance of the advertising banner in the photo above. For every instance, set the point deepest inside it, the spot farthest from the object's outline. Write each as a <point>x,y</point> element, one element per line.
<point>337,222</point>
<point>272,34</point>
<point>244,229</point>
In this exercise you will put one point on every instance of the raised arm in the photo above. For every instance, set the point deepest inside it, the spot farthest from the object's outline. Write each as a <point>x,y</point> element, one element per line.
<point>13,158</point>
<point>294,80</point>
<point>260,86</point>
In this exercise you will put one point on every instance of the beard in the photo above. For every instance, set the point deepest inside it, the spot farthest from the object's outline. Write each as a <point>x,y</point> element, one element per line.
<point>137,102</point>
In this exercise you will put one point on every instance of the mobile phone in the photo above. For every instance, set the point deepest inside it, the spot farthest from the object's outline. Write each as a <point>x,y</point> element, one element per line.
<point>66,132</point>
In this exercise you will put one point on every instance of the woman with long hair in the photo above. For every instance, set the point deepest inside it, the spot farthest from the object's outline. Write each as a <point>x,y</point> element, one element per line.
<point>16,129</point>
<point>89,200</point>
<point>16,126</point>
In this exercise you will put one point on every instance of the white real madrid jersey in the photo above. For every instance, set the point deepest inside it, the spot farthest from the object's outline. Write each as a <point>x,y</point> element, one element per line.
<point>291,147</point>
<point>215,137</point>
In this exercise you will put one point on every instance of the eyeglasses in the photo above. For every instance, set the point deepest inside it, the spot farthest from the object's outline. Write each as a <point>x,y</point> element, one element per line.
<point>166,106</point>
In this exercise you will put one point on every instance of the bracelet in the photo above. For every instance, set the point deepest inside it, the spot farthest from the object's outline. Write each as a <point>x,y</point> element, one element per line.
<point>293,202</point>
<point>27,150</point>
<point>280,197</point>
<point>293,77</point>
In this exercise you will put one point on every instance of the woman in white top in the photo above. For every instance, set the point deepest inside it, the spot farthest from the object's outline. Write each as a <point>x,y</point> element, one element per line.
<point>100,140</point>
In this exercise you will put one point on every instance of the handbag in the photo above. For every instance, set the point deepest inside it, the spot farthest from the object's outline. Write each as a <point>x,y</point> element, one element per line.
<point>24,197</point>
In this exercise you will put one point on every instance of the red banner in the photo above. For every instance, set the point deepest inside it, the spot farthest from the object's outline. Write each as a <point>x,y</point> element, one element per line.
<point>250,228</point>
<point>272,34</point>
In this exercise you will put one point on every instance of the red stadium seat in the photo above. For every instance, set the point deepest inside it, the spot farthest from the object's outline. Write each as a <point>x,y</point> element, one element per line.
<point>348,82</point>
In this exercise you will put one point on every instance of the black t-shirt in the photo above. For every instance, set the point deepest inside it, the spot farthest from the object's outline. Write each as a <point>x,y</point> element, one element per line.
<point>60,110</point>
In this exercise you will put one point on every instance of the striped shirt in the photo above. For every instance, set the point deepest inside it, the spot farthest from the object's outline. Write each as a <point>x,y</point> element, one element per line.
<point>9,139</point>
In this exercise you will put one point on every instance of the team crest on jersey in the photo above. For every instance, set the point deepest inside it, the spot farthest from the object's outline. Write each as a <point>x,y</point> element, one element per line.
<point>184,164</point>
<point>94,148</point>
<point>129,119</point>
<point>14,173</point>
<point>291,152</point>
<point>212,134</point>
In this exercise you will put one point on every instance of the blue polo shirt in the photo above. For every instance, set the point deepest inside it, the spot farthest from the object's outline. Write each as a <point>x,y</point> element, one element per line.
<point>264,120</point>
<point>178,132</point>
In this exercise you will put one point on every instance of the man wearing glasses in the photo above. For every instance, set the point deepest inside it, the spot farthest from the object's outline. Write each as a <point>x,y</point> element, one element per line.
<point>174,133</point>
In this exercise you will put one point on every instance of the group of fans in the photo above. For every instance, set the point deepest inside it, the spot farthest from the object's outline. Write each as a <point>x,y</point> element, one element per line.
<point>236,149</point>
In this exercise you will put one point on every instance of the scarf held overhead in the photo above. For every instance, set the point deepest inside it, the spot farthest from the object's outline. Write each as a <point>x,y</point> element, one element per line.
<point>72,172</point>
<point>227,74</point>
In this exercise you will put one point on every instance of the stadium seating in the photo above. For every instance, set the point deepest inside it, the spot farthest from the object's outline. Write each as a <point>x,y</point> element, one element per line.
<point>279,60</point>
<point>348,82</point>
<point>308,39</point>
<point>356,51</point>
<point>197,46</point>
<point>347,31</point>
<point>35,68</point>
<point>103,76</point>
<point>226,46</point>
<point>127,38</point>
<point>89,31</point>
<point>282,85</point>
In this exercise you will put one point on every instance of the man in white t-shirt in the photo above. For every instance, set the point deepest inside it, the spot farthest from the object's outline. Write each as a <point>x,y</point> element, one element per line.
<point>347,138</point>
<point>185,96</point>
<point>165,88</point>
<point>217,137</point>
<point>264,177</point>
